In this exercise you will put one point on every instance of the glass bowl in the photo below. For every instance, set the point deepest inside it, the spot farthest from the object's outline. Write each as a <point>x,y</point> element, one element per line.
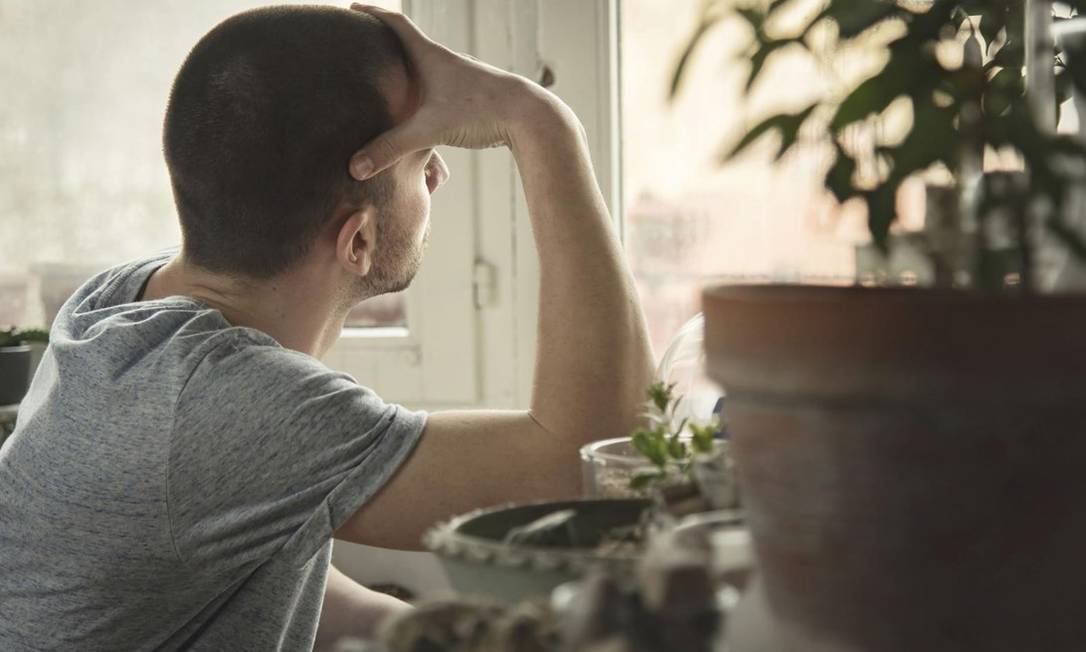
<point>607,467</point>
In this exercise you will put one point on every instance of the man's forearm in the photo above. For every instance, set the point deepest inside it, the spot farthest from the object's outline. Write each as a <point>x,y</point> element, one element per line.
<point>350,610</point>
<point>594,359</point>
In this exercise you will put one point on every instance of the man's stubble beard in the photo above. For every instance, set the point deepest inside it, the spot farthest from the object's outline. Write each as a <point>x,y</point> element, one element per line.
<point>395,265</point>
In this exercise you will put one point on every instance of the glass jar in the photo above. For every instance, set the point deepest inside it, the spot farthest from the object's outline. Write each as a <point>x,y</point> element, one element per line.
<point>683,364</point>
<point>608,466</point>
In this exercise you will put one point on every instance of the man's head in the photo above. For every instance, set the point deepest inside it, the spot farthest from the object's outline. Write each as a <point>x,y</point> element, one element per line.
<point>263,118</point>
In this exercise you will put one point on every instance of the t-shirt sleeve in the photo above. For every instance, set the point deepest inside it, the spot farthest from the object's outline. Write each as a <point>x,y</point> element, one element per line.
<point>271,452</point>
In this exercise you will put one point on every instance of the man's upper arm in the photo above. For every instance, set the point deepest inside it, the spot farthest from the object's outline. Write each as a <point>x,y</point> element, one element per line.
<point>466,460</point>
<point>270,451</point>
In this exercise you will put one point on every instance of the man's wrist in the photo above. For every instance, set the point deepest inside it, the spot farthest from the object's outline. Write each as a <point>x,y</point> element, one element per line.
<point>536,113</point>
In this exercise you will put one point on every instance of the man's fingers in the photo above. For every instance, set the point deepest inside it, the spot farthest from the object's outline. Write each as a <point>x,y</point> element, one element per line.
<point>412,37</point>
<point>383,152</point>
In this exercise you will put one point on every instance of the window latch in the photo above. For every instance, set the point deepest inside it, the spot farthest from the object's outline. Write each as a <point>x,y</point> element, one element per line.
<point>484,284</point>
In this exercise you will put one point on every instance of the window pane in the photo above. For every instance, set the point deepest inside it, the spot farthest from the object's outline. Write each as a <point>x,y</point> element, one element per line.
<point>381,311</point>
<point>85,185</point>
<point>689,220</point>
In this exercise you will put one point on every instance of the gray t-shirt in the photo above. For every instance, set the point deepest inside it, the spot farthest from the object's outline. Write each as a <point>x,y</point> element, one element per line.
<point>174,482</point>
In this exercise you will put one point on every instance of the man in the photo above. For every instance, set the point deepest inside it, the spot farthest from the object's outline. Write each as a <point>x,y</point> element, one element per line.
<point>183,460</point>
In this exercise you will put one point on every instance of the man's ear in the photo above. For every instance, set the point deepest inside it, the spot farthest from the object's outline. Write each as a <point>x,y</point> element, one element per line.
<point>357,241</point>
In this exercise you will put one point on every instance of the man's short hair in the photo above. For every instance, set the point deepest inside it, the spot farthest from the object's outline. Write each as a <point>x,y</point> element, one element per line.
<point>262,120</point>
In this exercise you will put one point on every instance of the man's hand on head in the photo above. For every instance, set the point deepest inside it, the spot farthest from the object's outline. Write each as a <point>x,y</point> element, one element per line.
<point>463,102</point>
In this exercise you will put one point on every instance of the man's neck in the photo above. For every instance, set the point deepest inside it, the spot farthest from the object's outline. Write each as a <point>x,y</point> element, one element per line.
<point>285,307</point>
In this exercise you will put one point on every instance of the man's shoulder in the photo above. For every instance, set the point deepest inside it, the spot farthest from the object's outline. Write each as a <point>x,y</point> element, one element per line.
<point>105,326</point>
<point>233,353</point>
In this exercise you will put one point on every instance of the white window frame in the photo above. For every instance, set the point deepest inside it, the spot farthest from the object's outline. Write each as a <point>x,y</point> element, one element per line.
<point>578,41</point>
<point>483,258</point>
<point>433,362</point>
<point>472,310</point>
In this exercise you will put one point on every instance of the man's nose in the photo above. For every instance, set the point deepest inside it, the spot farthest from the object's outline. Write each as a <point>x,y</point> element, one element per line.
<point>439,171</point>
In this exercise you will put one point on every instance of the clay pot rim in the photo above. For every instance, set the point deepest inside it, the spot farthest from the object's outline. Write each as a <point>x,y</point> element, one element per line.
<point>447,540</point>
<point>590,452</point>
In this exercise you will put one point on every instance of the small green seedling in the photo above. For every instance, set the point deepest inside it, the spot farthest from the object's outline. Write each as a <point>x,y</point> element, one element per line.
<point>668,449</point>
<point>14,337</point>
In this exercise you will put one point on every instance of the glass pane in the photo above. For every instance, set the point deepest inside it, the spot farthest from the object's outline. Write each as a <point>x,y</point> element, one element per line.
<point>381,311</point>
<point>85,185</point>
<point>691,221</point>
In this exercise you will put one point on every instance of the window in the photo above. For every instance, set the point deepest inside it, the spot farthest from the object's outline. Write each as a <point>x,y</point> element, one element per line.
<point>85,183</point>
<point>85,186</point>
<point>690,220</point>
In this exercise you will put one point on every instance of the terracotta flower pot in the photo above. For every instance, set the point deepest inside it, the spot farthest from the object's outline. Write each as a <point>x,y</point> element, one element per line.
<point>14,373</point>
<point>913,462</point>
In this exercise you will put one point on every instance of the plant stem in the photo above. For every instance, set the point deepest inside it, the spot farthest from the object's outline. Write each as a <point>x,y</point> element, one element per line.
<point>1040,71</point>
<point>1040,96</point>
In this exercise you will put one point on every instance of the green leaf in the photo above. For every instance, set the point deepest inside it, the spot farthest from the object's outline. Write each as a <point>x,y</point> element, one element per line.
<point>681,66</point>
<point>991,23</point>
<point>932,138</point>
<point>881,212</point>
<point>862,15</point>
<point>761,55</point>
<point>1016,21</point>
<point>33,335</point>
<point>960,16</point>
<point>769,124</point>
<point>676,449</point>
<point>651,444</point>
<point>1001,91</point>
<point>12,336</point>
<point>640,440</point>
<point>967,17</point>
<point>790,127</point>
<point>931,24</point>
<point>641,481</point>
<point>786,124</point>
<point>703,436</point>
<point>839,177</point>
<point>661,395</point>
<point>876,93</point>
<point>854,17</point>
<point>1011,54</point>
<point>753,17</point>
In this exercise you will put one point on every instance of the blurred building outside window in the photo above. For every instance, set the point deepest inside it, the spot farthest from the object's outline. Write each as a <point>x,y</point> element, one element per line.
<point>691,222</point>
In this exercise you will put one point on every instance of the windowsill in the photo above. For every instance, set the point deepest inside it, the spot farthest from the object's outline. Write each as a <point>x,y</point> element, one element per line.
<point>386,338</point>
<point>370,333</point>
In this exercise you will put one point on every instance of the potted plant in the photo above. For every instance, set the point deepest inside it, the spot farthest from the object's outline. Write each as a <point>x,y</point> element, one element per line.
<point>689,468</point>
<point>513,552</point>
<point>910,459</point>
<point>15,362</point>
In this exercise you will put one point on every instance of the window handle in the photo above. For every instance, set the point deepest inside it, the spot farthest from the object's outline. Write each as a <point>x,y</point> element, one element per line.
<point>484,284</point>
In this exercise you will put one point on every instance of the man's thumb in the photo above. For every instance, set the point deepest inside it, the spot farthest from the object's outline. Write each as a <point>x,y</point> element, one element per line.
<point>382,152</point>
